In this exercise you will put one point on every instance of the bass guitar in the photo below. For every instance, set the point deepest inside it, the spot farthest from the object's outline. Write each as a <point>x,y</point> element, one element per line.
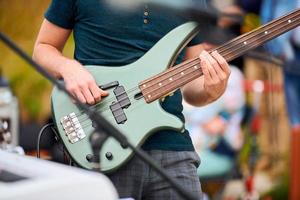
<point>133,106</point>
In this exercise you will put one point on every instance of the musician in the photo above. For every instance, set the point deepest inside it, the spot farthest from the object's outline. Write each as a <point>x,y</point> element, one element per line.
<point>113,37</point>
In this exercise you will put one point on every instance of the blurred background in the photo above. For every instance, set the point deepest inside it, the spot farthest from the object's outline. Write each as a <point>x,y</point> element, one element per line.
<point>244,140</point>
<point>21,21</point>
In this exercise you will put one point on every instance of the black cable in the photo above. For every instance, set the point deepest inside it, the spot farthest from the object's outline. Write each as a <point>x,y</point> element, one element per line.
<point>40,136</point>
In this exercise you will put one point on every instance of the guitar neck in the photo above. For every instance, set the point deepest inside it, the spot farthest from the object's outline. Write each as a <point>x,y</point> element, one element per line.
<point>177,76</point>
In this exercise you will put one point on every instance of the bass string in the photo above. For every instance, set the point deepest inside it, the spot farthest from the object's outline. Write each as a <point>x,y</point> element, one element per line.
<point>129,96</point>
<point>90,123</point>
<point>267,34</point>
<point>243,48</point>
<point>170,70</point>
<point>135,88</point>
<point>182,68</point>
<point>238,46</point>
<point>229,44</point>
<point>286,27</point>
<point>260,40</point>
<point>108,101</point>
<point>175,83</point>
<point>103,110</point>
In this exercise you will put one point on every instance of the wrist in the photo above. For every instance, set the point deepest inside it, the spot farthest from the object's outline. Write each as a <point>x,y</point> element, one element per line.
<point>65,65</point>
<point>208,97</point>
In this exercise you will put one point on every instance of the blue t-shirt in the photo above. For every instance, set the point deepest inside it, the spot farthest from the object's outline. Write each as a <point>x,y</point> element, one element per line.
<point>113,37</point>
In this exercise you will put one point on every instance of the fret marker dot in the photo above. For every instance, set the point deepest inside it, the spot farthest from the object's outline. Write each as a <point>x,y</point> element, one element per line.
<point>182,73</point>
<point>170,79</point>
<point>144,85</point>
<point>160,84</point>
<point>196,67</point>
<point>266,32</point>
<point>245,43</point>
<point>289,21</point>
<point>149,96</point>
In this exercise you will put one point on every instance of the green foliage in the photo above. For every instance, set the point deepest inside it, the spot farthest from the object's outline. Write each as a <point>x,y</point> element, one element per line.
<point>20,20</point>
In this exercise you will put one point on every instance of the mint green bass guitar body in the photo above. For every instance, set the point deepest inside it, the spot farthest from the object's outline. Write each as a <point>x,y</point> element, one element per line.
<point>142,118</point>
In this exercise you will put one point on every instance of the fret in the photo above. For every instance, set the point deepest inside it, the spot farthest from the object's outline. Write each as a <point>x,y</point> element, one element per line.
<point>175,77</point>
<point>167,83</point>
<point>157,93</point>
<point>168,72</point>
<point>264,30</point>
<point>261,38</point>
<point>166,75</point>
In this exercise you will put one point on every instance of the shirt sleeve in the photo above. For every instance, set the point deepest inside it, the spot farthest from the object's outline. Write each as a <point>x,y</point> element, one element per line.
<point>61,13</point>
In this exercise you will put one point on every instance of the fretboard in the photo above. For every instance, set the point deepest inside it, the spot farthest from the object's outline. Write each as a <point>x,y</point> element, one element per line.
<point>179,75</point>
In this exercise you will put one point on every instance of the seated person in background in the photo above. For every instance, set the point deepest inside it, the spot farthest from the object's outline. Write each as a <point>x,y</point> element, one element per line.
<point>215,129</point>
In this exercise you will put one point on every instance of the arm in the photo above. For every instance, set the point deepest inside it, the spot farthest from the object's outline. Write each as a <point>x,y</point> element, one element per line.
<point>48,52</point>
<point>212,84</point>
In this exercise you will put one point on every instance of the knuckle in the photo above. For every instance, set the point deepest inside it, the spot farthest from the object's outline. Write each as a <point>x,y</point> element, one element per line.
<point>80,97</point>
<point>90,81</point>
<point>97,96</point>
<point>223,62</point>
<point>91,101</point>
<point>71,88</point>
<point>82,100</point>
<point>82,85</point>
<point>99,99</point>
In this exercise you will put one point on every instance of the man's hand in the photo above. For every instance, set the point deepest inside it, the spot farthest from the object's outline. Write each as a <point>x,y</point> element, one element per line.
<point>216,72</point>
<point>212,84</point>
<point>81,83</point>
<point>48,53</point>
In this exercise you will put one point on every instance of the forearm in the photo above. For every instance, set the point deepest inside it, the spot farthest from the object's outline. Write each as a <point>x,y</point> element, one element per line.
<point>51,59</point>
<point>47,52</point>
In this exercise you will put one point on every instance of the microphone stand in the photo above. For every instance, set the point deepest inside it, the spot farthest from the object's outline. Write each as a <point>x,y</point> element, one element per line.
<point>101,124</point>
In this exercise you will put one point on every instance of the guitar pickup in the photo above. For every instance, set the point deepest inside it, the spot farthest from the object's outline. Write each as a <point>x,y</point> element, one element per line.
<point>122,97</point>
<point>109,85</point>
<point>118,113</point>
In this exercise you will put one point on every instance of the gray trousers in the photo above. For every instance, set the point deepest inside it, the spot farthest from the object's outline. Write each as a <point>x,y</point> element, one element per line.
<point>137,180</point>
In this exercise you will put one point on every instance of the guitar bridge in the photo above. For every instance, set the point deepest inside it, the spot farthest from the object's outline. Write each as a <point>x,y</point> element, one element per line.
<point>72,128</point>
